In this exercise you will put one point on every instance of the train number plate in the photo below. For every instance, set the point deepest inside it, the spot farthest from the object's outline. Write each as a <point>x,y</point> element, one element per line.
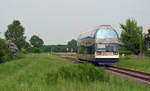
<point>107,53</point>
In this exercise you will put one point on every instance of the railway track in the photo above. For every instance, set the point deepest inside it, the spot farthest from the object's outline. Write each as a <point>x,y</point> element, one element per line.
<point>131,74</point>
<point>72,59</point>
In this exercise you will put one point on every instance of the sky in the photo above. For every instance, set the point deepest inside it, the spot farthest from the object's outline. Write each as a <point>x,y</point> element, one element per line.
<point>59,21</point>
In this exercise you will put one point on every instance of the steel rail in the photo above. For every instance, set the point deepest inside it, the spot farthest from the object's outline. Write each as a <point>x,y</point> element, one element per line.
<point>139,72</point>
<point>128,73</point>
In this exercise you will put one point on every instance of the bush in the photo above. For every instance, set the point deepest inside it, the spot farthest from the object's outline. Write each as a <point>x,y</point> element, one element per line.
<point>33,50</point>
<point>5,53</point>
<point>20,54</point>
<point>127,52</point>
<point>23,51</point>
<point>82,72</point>
<point>147,53</point>
<point>124,58</point>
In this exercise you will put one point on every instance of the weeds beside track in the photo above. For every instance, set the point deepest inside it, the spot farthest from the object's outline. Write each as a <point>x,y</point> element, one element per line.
<point>136,75</point>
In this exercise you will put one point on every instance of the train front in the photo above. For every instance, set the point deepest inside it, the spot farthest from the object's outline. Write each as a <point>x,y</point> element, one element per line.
<point>106,48</point>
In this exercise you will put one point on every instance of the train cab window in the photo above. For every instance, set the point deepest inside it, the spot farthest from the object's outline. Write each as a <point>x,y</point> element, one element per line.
<point>107,47</point>
<point>102,34</point>
<point>101,47</point>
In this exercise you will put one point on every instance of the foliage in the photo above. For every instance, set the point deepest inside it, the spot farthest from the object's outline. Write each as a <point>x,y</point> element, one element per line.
<point>147,39</point>
<point>59,48</point>
<point>82,72</point>
<point>139,63</point>
<point>33,50</point>
<point>65,54</point>
<point>123,51</point>
<point>36,41</point>
<point>147,43</point>
<point>55,48</point>
<point>147,53</point>
<point>131,36</point>
<point>15,33</point>
<point>72,45</point>
<point>5,53</point>
<point>27,45</point>
<point>29,74</point>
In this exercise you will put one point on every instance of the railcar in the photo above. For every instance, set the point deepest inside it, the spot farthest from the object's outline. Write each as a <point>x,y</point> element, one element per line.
<point>99,45</point>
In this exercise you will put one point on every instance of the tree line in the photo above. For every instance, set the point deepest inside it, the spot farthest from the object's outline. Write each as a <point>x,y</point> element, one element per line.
<point>15,33</point>
<point>132,41</point>
<point>15,43</point>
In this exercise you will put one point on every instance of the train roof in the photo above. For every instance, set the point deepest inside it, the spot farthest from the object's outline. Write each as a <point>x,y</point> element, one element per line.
<point>91,32</point>
<point>98,27</point>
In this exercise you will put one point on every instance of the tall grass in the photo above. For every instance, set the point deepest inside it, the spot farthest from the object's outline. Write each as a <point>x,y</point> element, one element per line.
<point>139,63</point>
<point>85,73</point>
<point>65,54</point>
<point>41,72</point>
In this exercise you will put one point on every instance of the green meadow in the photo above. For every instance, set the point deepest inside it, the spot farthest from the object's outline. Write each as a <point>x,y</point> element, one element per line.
<point>134,62</point>
<point>139,63</point>
<point>64,54</point>
<point>42,72</point>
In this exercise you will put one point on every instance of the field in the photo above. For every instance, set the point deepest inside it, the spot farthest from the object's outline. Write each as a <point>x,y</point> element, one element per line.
<point>42,72</point>
<point>65,54</point>
<point>139,63</point>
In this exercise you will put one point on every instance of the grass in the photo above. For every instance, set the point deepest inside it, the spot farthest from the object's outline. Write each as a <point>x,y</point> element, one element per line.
<point>42,72</point>
<point>84,73</point>
<point>65,54</point>
<point>139,63</point>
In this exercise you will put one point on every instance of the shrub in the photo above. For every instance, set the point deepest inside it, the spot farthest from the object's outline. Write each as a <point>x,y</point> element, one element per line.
<point>20,54</point>
<point>127,52</point>
<point>5,53</point>
<point>82,72</point>
<point>33,50</point>
<point>24,51</point>
<point>147,53</point>
<point>124,58</point>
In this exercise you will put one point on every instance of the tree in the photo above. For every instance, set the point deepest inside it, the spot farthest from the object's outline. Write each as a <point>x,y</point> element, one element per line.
<point>147,43</point>
<point>15,33</point>
<point>27,45</point>
<point>33,50</point>
<point>131,37</point>
<point>147,40</point>
<point>6,52</point>
<point>36,41</point>
<point>72,45</point>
